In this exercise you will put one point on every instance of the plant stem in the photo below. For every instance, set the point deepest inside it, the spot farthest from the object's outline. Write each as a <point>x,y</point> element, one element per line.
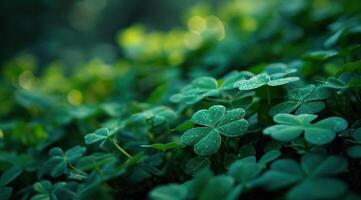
<point>268,96</point>
<point>121,149</point>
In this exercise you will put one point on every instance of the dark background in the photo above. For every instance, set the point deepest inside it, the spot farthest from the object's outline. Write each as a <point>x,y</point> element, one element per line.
<point>61,29</point>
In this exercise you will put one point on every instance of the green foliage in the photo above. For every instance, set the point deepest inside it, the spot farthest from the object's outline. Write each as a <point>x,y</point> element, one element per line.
<point>312,179</point>
<point>303,100</point>
<point>291,127</point>
<point>215,121</point>
<point>187,113</point>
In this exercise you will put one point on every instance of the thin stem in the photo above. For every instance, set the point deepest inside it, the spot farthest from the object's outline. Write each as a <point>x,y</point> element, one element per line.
<point>268,96</point>
<point>121,149</point>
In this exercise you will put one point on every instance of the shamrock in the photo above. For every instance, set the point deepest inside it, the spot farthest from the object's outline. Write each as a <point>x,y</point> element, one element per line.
<point>59,161</point>
<point>291,127</point>
<point>312,179</point>
<point>100,135</point>
<point>306,100</point>
<point>203,87</point>
<point>261,80</point>
<point>46,190</point>
<point>246,169</point>
<point>155,116</point>
<point>215,121</point>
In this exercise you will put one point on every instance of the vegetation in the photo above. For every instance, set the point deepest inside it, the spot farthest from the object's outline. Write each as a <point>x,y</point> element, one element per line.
<point>251,100</point>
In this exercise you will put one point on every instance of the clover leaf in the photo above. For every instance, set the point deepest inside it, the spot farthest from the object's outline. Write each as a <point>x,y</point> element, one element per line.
<point>59,162</point>
<point>203,87</point>
<point>214,121</point>
<point>196,164</point>
<point>169,192</point>
<point>100,135</point>
<point>311,179</point>
<point>306,100</point>
<point>46,190</point>
<point>155,116</point>
<point>291,127</point>
<point>261,80</point>
<point>246,169</point>
<point>199,89</point>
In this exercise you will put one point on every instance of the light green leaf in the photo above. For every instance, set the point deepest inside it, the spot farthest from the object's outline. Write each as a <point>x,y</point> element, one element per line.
<point>292,126</point>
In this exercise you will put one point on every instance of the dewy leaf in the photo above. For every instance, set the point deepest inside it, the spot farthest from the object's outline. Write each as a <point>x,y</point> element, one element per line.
<point>9,175</point>
<point>305,100</point>
<point>209,117</point>
<point>207,139</point>
<point>264,79</point>
<point>354,151</point>
<point>199,88</point>
<point>292,126</point>
<point>253,83</point>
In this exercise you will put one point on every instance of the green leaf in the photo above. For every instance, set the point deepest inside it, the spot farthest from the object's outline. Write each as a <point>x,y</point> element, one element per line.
<point>163,147</point>
<point>244,170</point>
<point>59,161</point>
<point>207,140</point>
<point>269,157</point>
<point>354,151</point>
<point>5,193</point>
<point>323,188</point>
<point>305,100</point>
<point>9,175</point>
<point>196,164</point>
<point>217,188</point>
<point>263,79</point>
<point>283,173</point>
<point>100,135</point>
<point>156,116</point>
<point>310,180</point>
<point>169,192</point>
<point>199,89</point>
<point>292,126</point>
<point>321,164</point>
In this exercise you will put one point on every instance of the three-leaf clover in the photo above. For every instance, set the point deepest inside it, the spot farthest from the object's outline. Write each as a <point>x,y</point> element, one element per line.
<point>155,116</point>
<point>306,100</point>
<point>214,121</point>
<point>246,169</point>
<point>311,179</point>
<point>291,127</point>
<point>46,190</point>
<point>203,87</point>
<point>261,80</point>
<point>100,135</point>
<point>274,75</point>
<point>59,162</point>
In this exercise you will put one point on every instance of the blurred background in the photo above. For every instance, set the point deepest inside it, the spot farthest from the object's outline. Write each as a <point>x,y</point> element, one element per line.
<point>91,51</point>
<point>77,30</point>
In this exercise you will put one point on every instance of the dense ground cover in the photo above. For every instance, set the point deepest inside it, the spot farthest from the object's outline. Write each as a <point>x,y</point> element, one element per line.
<point>253,100</point>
